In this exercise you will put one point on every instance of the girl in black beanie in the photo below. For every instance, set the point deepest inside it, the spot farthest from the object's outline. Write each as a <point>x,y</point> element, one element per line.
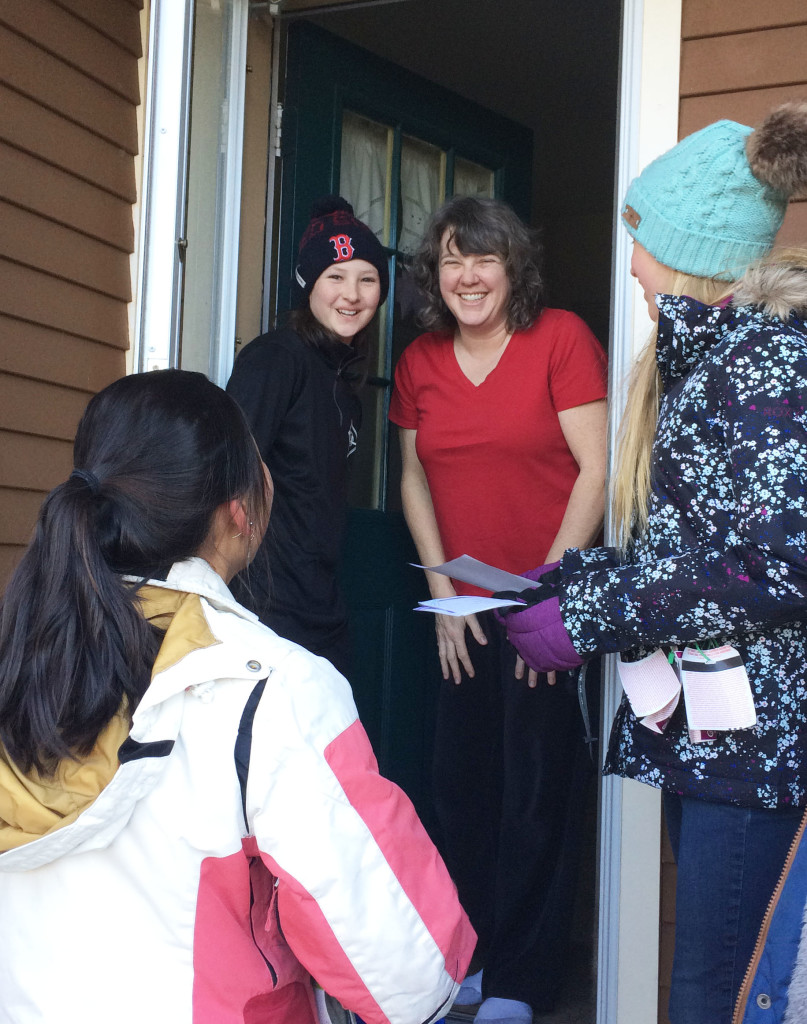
<point>294,385</point>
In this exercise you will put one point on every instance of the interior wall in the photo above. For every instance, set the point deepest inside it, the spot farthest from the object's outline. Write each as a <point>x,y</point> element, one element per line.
<point>573,205</point>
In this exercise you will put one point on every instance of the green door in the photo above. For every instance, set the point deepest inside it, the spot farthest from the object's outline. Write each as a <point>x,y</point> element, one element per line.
<point>394,145</point>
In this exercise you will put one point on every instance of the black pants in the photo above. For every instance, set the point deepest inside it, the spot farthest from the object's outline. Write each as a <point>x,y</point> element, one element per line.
<point>511,775</point>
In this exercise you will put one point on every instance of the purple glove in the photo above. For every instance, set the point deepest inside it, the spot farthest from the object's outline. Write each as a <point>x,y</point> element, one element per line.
<point>536,574</point>
<point>549,576</point>
<point>539,636</point>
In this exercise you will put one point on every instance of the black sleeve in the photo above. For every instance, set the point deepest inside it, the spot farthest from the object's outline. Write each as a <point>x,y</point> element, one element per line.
<point>266,381</point>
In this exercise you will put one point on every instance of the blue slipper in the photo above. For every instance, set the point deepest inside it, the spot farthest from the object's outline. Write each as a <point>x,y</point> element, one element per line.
<point>503,1011</point>
<point>470,993</point>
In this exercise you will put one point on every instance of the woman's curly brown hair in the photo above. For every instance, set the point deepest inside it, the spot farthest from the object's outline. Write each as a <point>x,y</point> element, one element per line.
<point>481,226</point>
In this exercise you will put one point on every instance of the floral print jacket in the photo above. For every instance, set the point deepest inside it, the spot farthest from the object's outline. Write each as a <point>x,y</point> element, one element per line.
<point>724,559</point>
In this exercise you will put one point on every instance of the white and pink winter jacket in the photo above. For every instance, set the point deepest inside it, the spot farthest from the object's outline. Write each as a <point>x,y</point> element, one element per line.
<point>184,894</point>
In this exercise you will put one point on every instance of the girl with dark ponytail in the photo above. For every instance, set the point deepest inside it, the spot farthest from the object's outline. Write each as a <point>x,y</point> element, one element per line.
<point>158,742</point>
<point>155,458</point>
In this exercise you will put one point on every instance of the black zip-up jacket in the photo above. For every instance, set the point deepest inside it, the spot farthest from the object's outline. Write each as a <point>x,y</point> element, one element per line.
<point>304,416</point>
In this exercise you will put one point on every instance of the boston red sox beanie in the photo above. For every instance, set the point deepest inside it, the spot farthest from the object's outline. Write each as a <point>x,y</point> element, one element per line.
<point>335,235</point>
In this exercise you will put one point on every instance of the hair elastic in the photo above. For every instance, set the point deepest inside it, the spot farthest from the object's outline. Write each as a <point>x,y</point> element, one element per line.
<point>89,478</point>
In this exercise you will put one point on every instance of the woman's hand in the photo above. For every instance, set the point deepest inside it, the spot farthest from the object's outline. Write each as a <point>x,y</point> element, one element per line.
<point>422,523</point>
<point>451,644</point>
<point>539,636</point>
<point>532,675</point>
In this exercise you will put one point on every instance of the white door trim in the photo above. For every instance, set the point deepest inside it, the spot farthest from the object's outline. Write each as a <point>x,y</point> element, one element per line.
<point>159,272</point>
<point>630,813</point>
<point>223,340</point>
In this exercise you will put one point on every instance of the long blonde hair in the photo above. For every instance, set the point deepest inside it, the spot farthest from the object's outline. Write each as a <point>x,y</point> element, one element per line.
<point>630,482</point>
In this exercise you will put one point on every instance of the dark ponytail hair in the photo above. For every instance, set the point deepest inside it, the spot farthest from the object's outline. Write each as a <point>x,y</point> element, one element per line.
<point>155,454</point>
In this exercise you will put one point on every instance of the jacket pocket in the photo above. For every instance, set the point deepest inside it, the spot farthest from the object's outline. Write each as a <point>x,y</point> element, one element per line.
<point>267,933</point>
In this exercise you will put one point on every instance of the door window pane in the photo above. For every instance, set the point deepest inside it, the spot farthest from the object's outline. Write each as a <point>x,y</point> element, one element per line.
<point>472,179</point>
<point>422,189</point>
<point>366,170</point>
<point>364,471</point>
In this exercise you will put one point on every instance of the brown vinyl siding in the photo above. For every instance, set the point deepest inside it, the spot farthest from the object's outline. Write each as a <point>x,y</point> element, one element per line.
<point>68,141</point>
<point>57,30</point>
<point>716,17</point>
<point>738,61</point>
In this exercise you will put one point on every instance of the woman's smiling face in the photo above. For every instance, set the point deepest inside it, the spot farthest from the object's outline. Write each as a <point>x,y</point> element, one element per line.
<point>474,287</point>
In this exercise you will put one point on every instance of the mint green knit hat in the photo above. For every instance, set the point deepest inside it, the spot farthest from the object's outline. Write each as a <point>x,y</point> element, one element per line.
<point>713,204</point>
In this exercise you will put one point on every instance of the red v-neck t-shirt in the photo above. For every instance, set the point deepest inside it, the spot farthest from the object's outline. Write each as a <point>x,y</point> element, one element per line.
<point>498,467</point>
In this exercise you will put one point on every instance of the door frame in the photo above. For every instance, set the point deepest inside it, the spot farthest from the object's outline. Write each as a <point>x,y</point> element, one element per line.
<point>160,273</point>
<point>164,179</point>
<point>630,812</point>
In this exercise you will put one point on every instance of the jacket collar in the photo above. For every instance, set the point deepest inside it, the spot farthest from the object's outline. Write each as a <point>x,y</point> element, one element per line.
<point>687,330</point>
<point>195,576</point>
<point>778,289</point>
<point>337,355</point>
<point>196,608</point>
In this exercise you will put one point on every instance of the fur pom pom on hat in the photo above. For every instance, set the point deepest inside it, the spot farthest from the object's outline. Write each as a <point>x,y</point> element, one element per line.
<point>713,204</point>
<point>777,150</point>
<point>335,235</point>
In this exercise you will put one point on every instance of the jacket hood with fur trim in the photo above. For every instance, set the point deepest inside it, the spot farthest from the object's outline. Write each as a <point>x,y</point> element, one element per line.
<point>779,290</point>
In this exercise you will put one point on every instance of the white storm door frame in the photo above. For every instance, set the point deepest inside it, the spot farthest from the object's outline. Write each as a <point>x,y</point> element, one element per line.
<point>630,813</point>
<point>160,271</point>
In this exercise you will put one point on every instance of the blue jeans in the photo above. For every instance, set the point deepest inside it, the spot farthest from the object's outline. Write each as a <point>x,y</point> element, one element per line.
<point>729,861</point>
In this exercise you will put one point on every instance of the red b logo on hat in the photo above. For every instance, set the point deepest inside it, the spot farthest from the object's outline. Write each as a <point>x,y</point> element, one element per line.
<point>343,246</point>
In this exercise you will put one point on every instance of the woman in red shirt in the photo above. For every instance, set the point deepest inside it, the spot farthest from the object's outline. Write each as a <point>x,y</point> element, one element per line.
<point>502,418</point>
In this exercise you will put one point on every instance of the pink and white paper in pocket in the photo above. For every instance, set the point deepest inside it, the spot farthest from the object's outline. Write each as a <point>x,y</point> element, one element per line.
<point>717,692</point>
<point>652,687</point>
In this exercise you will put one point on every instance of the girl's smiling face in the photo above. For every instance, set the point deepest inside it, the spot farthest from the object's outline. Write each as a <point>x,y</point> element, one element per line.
<point>345,297</point>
